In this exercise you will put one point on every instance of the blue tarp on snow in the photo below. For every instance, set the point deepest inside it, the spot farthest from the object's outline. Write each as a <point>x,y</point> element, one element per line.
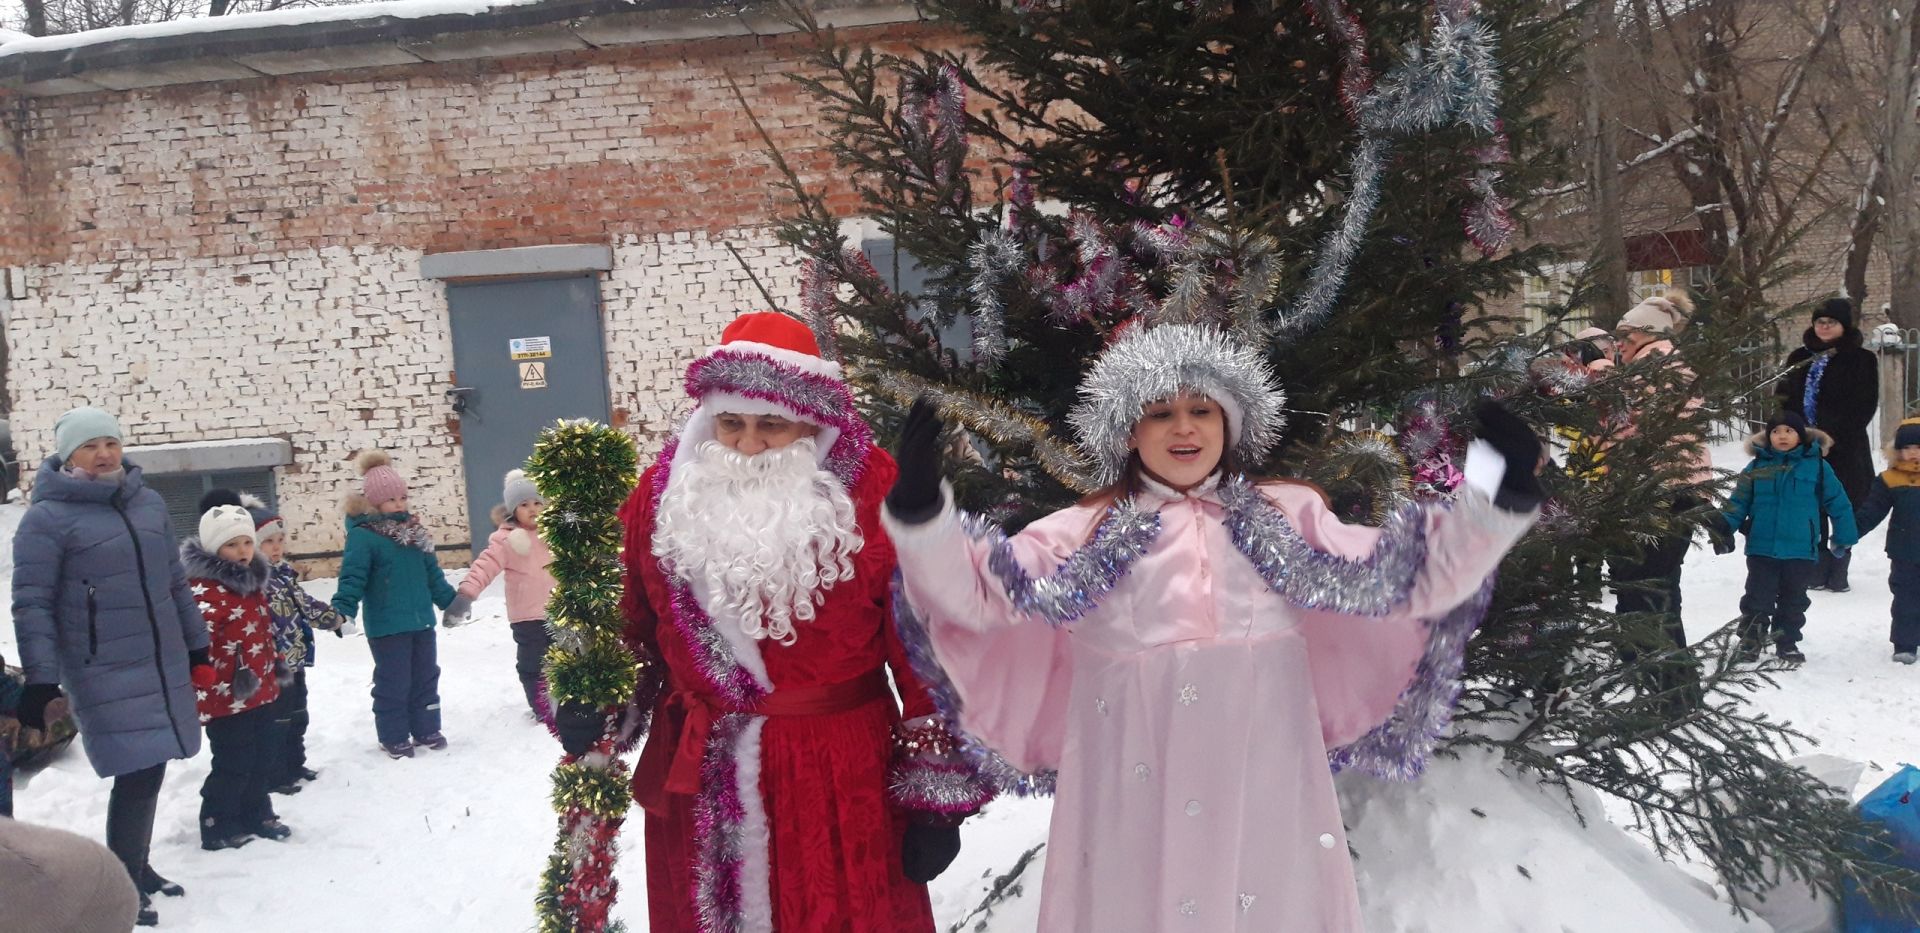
<point>1895,805</point>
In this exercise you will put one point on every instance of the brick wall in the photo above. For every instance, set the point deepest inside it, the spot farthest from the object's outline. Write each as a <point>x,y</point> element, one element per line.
<point>242,259</point>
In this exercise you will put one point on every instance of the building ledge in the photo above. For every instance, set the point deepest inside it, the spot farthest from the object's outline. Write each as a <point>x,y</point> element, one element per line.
<point>398,32</point>
<point>246,453</point>
<point>517,261</point>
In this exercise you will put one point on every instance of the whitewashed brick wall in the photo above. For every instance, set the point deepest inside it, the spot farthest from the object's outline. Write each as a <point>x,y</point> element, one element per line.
<point>343,349</point>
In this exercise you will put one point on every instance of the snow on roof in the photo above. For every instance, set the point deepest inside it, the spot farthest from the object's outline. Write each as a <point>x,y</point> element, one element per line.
<point>14,43</point>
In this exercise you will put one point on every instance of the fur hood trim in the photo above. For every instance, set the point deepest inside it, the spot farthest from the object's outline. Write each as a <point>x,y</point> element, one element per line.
<point>1821,439</point>
<point>357,503</point>
<point>245,580</point>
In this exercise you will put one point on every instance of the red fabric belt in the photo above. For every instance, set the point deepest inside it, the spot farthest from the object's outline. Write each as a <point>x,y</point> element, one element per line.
<point>683,720</point>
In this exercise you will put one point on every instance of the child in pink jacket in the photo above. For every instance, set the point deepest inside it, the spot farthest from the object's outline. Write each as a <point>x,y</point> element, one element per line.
<point>516,550</point>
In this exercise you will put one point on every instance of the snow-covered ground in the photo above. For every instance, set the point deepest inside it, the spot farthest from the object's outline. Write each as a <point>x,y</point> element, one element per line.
<point>454,840</point>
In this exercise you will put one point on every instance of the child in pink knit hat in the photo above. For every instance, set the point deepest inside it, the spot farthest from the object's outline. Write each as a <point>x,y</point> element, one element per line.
<point>389,566</point>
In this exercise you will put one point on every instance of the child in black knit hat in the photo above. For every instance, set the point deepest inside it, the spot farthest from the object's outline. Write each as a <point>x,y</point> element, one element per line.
<point>1896,492</point>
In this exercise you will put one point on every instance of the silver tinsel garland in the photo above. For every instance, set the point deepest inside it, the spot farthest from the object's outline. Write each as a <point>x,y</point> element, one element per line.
<point>817,305</point>
<point>996,260</point>
<point>948,788</point>
<point>1375,585</point>
<point>1085,577</point>
<point>1398,749</point>
<point>1453,81</point>
<point>1151,364</point>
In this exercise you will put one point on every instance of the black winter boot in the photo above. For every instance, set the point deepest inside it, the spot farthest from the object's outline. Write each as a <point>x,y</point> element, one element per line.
<point>150,882</point>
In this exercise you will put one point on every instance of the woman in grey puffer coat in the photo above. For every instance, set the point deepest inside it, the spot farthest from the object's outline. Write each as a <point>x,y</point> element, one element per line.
<point>101,607</point>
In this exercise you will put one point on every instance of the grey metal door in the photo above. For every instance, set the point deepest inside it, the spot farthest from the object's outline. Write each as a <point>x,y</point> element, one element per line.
<point>525,353</point>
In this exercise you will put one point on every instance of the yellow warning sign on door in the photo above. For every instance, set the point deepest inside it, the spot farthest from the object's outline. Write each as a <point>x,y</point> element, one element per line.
<point>533,375</point>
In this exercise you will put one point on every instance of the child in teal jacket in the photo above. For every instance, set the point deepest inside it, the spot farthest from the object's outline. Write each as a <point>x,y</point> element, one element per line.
<point>390,570</point>
<point>1778,502</point>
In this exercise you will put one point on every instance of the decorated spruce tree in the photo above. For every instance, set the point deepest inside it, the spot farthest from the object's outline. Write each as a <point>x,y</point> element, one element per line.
<point>1345,184</point>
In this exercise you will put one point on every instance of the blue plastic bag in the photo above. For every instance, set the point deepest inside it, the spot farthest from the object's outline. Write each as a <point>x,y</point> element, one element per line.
<point>1895,805</point>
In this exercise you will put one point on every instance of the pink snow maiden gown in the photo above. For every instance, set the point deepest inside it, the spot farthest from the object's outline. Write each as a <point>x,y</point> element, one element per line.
<point>1190,712</point>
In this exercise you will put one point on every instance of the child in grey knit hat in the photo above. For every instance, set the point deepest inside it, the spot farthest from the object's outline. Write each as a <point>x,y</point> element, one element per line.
<point>517,551</point>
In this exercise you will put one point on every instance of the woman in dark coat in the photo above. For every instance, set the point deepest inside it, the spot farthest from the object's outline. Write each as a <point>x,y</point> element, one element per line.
<point>106,623</point>
<point>1835,385</point>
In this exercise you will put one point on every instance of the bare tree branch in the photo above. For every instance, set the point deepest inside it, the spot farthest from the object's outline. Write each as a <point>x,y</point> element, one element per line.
<point>1629,165</point>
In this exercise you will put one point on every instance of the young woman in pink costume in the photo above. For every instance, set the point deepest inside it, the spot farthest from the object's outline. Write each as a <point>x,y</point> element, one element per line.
<point>1194,651</point>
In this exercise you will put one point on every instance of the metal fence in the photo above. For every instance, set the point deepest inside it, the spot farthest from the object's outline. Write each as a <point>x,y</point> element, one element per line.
<point>1899,352</point>
<point>1758,368</point>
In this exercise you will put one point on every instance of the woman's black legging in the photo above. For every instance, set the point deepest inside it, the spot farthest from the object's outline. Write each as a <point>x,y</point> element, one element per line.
<point>130,811</point>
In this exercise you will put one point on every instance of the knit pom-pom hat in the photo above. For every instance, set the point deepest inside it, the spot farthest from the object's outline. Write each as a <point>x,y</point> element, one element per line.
<point>1661,314</point>
<point>379,481</point>
<point>517,490</point>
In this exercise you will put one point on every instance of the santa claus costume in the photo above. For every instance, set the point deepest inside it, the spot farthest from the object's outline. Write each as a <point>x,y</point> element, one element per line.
<point>1193,663</point>
<point>777,778</point>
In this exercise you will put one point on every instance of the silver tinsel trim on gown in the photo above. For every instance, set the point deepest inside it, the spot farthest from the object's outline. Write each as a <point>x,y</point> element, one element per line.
<point>1375,585</point>
<point>1085,577</point>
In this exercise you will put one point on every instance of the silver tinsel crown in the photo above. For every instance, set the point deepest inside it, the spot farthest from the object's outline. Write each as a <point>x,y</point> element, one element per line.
<point>1151,364</point>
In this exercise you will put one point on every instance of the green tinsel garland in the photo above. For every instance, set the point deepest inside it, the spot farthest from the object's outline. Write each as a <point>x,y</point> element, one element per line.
<point>585,471</point>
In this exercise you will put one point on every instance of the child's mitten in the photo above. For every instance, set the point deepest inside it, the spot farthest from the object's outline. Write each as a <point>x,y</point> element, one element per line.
<point>459,612</point>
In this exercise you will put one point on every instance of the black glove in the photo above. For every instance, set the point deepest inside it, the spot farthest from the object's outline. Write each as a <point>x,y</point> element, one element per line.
<point>579,726</point>
<point>199,656</point>
<point>34,700</point>
<point>927,851</point>
<point>1520,489</point>
<point>1719,533</point>
<point>916,493</point>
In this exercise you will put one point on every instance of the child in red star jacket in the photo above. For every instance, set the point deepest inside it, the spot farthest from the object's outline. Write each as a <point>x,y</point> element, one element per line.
<point>228,577</point>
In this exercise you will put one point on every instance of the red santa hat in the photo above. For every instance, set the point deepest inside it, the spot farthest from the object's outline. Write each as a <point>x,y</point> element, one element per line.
<point>770,364</point>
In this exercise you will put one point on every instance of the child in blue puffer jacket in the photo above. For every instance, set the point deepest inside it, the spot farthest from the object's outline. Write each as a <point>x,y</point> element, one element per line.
<point>1778,502</point>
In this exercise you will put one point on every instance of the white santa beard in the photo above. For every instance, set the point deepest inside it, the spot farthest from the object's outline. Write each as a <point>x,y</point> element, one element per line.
<point>761,538</point>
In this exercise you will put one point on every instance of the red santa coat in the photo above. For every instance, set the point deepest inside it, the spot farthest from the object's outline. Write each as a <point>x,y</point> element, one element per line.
<point>819,843</point>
